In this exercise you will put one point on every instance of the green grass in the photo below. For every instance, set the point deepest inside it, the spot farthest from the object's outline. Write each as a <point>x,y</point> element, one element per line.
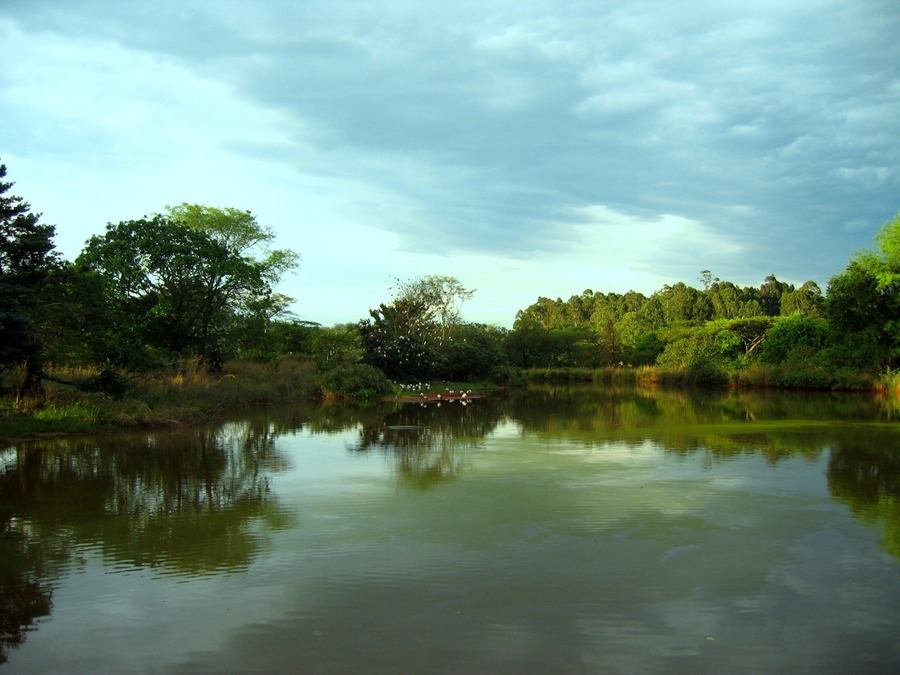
<point>189,395</point>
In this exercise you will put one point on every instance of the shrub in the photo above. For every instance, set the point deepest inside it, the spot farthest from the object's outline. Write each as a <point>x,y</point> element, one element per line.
<point>793,335</point>
<point>355,381</point>
<point>295,377</point>
<point>647,349</point>
<point>507,376</point>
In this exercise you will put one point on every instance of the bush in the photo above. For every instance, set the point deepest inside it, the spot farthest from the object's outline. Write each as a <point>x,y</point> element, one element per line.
<point>108,382</point>
<point>646,350</point>
<point>295,377</point>
<point>705,374</point>
<point>507,376</point>
<point>355,381</point>
<point>469,353</point>
<point>792,336</point>
<point>685,351</point>
<point>699,373</point>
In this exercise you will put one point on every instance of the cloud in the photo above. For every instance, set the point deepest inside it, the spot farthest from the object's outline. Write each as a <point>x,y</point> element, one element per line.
<point>730,134</point>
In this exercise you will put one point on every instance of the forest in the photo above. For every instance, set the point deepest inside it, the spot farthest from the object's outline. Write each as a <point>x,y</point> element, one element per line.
<point>190,292</point>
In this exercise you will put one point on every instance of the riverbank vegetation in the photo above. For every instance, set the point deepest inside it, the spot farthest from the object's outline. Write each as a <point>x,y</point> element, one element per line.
<point>174,317</point>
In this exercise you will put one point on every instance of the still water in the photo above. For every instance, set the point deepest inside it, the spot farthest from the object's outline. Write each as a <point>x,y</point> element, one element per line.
<point>552,530</point>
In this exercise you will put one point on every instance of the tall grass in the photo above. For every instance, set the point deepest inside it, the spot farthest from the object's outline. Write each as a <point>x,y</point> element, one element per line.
<point>706,374</point>
<point>187,393</point>
<point>609,375</point>
<point>789,375</point>
<point>889,382</point>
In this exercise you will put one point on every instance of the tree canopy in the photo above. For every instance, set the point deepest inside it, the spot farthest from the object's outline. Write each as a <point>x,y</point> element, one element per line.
<point>176,286</point>
<point>241,235</point>
<point>25,258</point>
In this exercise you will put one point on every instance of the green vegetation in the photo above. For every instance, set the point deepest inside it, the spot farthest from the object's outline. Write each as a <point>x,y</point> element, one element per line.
<point>175,316</point>
<point>775,335</point>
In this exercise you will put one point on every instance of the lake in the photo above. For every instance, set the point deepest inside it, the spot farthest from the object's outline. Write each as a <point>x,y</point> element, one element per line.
<point>563,530</point>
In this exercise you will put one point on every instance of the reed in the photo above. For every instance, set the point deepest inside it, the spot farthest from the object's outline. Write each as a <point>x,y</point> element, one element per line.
<point>789,375</point>
<point>185,394</point>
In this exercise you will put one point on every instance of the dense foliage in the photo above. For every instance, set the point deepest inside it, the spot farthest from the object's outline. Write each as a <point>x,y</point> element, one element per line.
<point>196,285</point>
<point>25,260</point>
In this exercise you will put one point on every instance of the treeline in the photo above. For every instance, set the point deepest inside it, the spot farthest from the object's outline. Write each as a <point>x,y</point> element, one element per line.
<point>774,334</point>
<point>194,287</point>
<point>602,329</point>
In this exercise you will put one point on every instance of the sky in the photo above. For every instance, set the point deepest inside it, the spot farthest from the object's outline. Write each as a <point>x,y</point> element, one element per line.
<point>526,148</point>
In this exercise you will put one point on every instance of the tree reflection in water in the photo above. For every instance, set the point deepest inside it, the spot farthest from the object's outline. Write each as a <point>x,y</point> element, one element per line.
<point>866,476</point>
<point>189,503</point>
<point>199,502</point>
<point>21,602</point>
<point>858,430</point>
<point>422,440</point>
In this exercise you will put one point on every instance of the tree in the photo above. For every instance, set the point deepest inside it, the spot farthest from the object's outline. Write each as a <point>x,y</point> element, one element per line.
<point>726,300</point>
<point>441,298</point>
<point>631,328</point>
<point>549,314</point>
<point>406,338</point>
<point>396,340</point>
<point>611,348</point>
<point>340,345</point>
<point>707,279</point>
<point>683,303</point>
<point>863,303</point>
<point>472,352</point>
<point>794,335</point>
<point>25,257</point>
<point>884,262</point>
<point>529,344</point>
<point>252,330</point>
<point>241,234</point>
<point>806,299</point>
<point>77,320</point>
<point>770,294</point>
<point>579,309</point>
<point>862,317</point>
<point>175,287</point>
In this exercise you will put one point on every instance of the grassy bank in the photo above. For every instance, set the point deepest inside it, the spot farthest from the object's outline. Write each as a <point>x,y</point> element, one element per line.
<point>192,395</point>
<point>784,376</point>
<point>187,396</point>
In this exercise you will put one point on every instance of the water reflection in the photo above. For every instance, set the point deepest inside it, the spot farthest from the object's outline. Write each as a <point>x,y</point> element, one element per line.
<point>201,503</point>
<point>423,441</point>
<point>867,479</point>
<point>188,503</point>
<point>720,424</point>
<point>22,601</point>
<point>859,431</point>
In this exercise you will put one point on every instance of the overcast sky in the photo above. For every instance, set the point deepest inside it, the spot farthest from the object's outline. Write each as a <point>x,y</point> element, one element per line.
<point>526,148</point>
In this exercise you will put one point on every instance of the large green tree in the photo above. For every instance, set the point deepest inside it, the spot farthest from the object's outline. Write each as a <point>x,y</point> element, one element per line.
<point>806,299</point>
<point>176,287</point>
<point>408,339</point>
<point>25,257</point>
<point>398,338</point>
<point>241,234</point>
<point>883,262</point>
<point>863,303</point>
